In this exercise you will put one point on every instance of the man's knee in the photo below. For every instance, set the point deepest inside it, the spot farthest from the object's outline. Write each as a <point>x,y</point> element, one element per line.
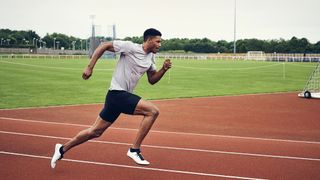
<point>98,128</point>
<point>147,109</point>
<point>154,111</point>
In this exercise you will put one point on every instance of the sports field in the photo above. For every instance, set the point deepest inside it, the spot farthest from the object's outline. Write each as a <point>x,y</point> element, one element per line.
<point>229,136</point>
<point>46,82</point>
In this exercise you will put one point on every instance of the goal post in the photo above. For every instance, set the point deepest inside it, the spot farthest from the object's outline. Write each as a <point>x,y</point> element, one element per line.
<point>312,87</point>
<point>256,55</point>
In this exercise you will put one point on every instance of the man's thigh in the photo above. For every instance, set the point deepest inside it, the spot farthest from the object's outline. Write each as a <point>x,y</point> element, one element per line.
<point>145,107</point>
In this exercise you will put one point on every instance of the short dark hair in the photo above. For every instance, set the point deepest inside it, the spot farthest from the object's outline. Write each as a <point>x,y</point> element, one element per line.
<point>149,33</point>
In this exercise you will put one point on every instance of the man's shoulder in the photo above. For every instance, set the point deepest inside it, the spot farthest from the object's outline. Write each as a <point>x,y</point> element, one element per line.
<point>126,45</point>
<point>122,42</point>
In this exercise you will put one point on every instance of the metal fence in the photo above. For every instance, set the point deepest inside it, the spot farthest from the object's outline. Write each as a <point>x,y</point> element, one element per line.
<point>78,54</point>
<point>242,56</point>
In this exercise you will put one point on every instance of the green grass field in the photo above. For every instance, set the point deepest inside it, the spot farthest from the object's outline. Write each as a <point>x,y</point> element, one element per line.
<point>46,82</point>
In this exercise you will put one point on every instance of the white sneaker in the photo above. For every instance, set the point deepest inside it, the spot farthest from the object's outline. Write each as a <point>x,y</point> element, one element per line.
<point>56,156</point>
<point>137,157</point>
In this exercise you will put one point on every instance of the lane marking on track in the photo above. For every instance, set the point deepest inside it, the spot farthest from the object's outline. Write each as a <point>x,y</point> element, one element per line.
<point>171,148</point>
<point>166,132</point>
<point>153,100</point>
<point>130,167</point>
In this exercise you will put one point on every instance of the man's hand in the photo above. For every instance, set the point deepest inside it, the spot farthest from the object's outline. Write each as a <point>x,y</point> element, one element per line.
<point>166,64</point>
<point>87,73</point>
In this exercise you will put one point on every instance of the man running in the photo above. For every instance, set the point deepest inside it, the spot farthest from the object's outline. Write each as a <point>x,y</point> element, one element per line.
<point>134,61</point>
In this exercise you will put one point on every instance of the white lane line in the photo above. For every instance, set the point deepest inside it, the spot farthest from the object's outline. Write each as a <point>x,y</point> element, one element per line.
<point>153,100</point>
<point>172,148</point>
<point>166,132</point>
<point>131,167</point>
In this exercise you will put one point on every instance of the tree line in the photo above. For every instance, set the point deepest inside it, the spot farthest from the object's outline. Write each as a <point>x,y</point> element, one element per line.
<point>30,39</point>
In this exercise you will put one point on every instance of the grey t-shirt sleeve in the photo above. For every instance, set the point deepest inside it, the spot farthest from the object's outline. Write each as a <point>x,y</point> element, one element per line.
<point>122,46</point>
<point>153,66</point>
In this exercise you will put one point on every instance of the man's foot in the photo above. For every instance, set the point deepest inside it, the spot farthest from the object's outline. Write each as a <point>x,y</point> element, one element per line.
<point>58,154</point>
<point>135,154</point>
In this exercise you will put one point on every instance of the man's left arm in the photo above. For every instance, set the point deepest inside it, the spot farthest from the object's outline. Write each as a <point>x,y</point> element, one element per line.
<point>155,76</point>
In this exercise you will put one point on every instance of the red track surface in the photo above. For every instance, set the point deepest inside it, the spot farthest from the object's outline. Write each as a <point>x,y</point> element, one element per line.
<point>273,136</point>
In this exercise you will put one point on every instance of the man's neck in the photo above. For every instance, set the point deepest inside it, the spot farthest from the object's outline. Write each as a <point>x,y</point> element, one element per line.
<point>145,49</point>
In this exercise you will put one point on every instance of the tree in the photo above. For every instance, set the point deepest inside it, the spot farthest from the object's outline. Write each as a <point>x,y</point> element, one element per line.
<point>27,39</point>
<point>11,38</point>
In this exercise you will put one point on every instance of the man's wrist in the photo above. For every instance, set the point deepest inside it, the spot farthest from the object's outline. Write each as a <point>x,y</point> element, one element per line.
<point>164,69</point>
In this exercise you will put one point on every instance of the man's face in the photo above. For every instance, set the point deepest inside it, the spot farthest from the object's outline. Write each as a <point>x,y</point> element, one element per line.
<point>154,44</point>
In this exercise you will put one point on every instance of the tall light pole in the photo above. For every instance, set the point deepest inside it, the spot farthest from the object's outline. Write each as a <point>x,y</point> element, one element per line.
<point>235,28</point>
<point>73,45</point>
<point>54,43</point>
<point>114,32</point>
<point>58,42</point>
<point>40,42</point>
<point>37,43</point>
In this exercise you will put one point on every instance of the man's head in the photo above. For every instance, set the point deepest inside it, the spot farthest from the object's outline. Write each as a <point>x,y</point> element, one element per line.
<point>152,40</point>
<point>149,33</point>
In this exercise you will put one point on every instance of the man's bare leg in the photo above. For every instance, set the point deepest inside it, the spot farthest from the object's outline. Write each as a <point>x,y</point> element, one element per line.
<point>150,113</point>
<point>95,131</point>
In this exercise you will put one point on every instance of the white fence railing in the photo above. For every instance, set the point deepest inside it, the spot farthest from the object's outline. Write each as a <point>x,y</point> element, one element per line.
<point>267,57</point>
<point>42,56</point>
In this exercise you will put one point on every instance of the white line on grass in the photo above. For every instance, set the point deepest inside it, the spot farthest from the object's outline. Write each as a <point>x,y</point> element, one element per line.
<point>226,69</point>
<point>305,66</point>
<point>65,68</point>
<point>170,148</point>
<point>130,167</point>
<point>166,132</point>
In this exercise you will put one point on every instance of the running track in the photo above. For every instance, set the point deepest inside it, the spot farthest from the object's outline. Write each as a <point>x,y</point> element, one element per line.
<point>272,136</point>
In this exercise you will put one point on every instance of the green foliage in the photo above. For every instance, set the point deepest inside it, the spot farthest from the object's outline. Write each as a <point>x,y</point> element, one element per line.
<point>64,41</point>
<point>135,39</point>
<point>17,39</point>
<point>205,45</point>
<point>44,82</point>
<point>28,39</point>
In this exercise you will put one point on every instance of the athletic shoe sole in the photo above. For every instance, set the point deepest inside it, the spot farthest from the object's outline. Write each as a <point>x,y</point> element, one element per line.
<point>56,156</point>
<point>135,157</point>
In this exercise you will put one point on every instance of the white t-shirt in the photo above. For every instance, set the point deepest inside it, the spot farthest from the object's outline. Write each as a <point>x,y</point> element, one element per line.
<point>132,64</point>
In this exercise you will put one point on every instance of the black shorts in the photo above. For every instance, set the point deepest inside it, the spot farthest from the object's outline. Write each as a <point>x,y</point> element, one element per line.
<point>118,102</point>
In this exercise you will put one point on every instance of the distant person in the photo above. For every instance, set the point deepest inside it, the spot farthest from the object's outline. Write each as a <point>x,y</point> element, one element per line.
<point>134,61</point>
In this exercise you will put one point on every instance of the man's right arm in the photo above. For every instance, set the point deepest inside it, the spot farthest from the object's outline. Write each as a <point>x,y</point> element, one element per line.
<point>107,46</point>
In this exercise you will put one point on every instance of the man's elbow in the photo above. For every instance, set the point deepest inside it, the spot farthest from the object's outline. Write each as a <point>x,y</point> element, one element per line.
<point>152,82</point>
<point>107,46</point>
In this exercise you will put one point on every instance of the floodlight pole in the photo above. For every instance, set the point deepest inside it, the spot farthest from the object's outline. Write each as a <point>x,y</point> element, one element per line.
<point>92,25</point>
<point>58,42</point>
<point>54,43</point>
<point>235,28</point>
<point>114,32</point>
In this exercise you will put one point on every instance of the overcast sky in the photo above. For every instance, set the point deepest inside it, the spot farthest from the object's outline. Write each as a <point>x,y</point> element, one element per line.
<point>214,19</point>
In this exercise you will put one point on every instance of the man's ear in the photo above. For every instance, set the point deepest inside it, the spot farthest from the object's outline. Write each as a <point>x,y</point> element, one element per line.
<point>150,38</point>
